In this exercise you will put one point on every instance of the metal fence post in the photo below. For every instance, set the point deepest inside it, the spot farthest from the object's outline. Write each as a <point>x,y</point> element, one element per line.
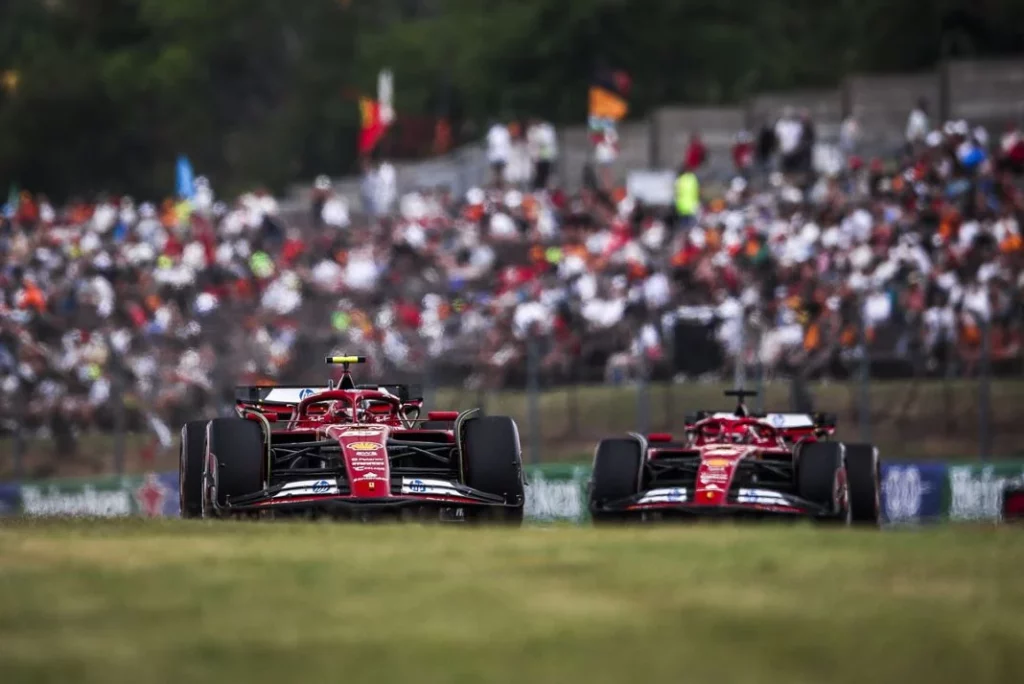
<point>740,369</point>
<point>759,364</point>
<point>643,398</point>
<point>572,401</point>
<point>19,441</point>
<point>864,377</point>
<point>428,382</point>
<point>533,397</point>
<point>668,402</point>
<point>115,371</point>
<point>985,391</point>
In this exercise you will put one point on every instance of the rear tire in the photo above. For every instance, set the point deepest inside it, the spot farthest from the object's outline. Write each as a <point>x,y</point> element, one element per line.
<point>236,445</point>
<point>190,468</point>
<point>822,478</point>
<point>862,472</point>
<point>616,475</point>
<point>494,464</point>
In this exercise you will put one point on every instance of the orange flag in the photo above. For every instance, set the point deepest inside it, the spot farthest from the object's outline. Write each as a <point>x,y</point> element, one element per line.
<point>372,129</point>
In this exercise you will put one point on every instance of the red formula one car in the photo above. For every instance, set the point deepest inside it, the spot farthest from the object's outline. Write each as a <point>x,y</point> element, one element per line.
<point>737,464</point>
<point>350,451</point>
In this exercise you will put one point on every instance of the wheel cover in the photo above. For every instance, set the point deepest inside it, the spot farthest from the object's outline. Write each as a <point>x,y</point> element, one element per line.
<point>841,496</point>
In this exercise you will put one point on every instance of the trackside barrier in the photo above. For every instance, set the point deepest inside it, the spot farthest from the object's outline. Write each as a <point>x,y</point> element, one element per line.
<point>150,495</point>
<point>911,493</point>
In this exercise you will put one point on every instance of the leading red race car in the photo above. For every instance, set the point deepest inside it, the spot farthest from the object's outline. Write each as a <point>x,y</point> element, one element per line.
<point>737,464</point>
<point>350,451</point>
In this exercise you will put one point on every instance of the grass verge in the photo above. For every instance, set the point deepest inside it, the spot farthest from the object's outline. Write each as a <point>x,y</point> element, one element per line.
<point>173,601</point>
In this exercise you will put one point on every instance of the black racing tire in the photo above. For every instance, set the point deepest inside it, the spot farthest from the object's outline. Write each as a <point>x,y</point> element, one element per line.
<point>190,468</point>
<point>493,463</point>
<point>237,446</point>
<point>863,473</point>
<point>615,476</point>
<point>818,468</point>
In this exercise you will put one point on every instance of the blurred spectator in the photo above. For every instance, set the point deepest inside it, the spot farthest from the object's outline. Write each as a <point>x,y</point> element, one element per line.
<point>543,143</point>
<point>849,135</point>
<point>743,153</point>
<point>162,309</point>
<point>687,193</point>
<point>696,153</point>
<point>918,124</point>
<point>499,148</point>
<point>789,132</point>
<point>519,168</point>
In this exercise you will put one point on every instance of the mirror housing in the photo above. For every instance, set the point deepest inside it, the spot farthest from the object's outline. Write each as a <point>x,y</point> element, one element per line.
<point>442,415</point>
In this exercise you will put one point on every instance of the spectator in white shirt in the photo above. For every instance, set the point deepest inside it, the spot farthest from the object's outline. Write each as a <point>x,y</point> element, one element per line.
<point>917,123</point>
<point>543,144</point>
<point>789,131</point>
<point>499,145</point>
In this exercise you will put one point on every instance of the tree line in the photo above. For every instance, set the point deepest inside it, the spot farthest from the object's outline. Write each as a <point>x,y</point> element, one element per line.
<point>102,95</point>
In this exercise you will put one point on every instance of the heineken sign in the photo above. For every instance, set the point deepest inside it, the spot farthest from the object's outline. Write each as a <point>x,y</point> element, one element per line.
<point>148,495</point>
<point>911,493</point>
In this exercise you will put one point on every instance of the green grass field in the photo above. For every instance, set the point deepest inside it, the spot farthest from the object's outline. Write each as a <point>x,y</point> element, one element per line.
<point>174,601</point>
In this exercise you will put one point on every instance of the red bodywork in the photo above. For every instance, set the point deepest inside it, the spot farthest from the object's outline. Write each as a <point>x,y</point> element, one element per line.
<point>355,428</point>
<point>726,463</point>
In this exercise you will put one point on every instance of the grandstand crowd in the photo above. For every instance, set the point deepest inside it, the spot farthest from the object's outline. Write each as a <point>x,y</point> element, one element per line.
<point>167,307</point>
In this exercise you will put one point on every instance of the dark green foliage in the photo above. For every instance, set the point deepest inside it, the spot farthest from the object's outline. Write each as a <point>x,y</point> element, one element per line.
<point>110,91</point>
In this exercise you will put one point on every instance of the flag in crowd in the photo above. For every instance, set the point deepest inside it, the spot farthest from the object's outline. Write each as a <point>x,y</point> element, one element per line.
<point>608,105</point>
<point>377,114</point>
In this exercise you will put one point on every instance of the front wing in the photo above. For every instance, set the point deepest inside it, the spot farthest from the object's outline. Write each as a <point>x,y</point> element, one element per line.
<point>332,495</point>
<point>738,503</point>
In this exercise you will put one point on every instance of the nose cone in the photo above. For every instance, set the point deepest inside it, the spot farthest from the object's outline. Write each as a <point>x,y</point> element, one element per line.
<point>364,450</point>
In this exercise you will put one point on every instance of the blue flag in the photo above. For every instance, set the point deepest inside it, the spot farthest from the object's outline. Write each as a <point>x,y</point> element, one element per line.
<point>185,187</point>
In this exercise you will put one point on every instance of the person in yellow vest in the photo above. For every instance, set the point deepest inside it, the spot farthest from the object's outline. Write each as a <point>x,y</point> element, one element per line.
<point>687,197</point>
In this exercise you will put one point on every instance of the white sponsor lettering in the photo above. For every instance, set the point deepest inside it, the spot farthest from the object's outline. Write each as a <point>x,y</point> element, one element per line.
<point>367,462</point>
<point>762,496</point>
<point>709,478</point>
<point>553,499</point>
<point>375,432</point>
<point>668,495</point>
<point>977,495</point>
<point>412,485</point>
<point>904,489</point>
<point>779,420</point>
<point>292,395</point>
<point>89,501</point>
<point>307,488</point>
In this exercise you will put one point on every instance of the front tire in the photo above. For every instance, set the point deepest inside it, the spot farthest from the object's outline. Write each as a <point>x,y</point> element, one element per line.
<point>493,463</point>
<point>190,468</point>
<point>236,448</point>
<point>822,478</point>
<point>863,473</point>
<point>615,476</point>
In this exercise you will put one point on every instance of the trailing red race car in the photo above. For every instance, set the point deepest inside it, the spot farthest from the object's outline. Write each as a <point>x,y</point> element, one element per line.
<point>350,451</point>
<point>737,464</point>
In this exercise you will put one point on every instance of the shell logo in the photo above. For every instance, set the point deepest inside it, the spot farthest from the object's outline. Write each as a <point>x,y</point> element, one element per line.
<point>718,462</point>
<point>363,446</point>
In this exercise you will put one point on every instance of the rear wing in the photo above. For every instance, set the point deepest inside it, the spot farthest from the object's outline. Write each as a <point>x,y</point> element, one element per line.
<point>293,394</point>
<point>275,394</point>
<point>782,421</point>
<point>406,393</point>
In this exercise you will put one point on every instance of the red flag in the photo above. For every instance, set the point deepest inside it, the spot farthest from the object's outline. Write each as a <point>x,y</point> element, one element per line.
<point>372,129</point>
